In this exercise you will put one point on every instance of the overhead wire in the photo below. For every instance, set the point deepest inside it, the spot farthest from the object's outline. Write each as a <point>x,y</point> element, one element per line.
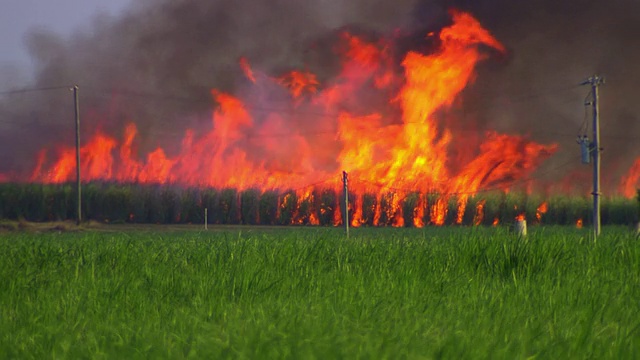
<point>292,111</point>
<point>29,90</point>
<point>311,185</point>
<point>97,92</point>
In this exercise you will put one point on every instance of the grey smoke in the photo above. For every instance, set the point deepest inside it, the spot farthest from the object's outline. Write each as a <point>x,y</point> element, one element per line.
<point>553,45</point>
<point>180,50</point>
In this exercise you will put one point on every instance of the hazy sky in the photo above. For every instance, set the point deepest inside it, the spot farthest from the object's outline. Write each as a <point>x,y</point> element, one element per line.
<point>58,16</point>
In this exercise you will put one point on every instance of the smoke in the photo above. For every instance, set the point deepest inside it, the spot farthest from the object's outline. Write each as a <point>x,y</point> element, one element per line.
<point>179,50</point>
<point>552,46</point>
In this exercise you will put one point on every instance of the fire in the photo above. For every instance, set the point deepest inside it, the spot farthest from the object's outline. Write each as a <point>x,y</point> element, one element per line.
<point>386,128</point>
<point>418,212</point>
<point>631,181</point>
<point>246,68</point>
<point>300,82</point>
<point>357,220</point>
<point>579,224</point>
<point>439,211</point>
<point>397,215</point>
<point>542,209</point>
<point>479,217</point>
<point>520,217</point>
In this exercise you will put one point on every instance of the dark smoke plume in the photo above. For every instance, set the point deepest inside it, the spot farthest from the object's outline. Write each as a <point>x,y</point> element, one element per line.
<point>554,45</point>
<point>156,65</point>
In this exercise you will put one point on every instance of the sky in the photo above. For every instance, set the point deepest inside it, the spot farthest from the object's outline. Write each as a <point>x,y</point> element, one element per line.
<point>62,17</point>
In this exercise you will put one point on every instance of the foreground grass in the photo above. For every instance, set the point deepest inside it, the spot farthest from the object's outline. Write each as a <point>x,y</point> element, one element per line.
<point>310,293</point>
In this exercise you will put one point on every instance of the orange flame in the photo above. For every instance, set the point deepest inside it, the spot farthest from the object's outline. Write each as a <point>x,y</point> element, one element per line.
<point>479,217</point>
<point>439,211</point>
<point>357,220</point>
<point>418,212</point>
<point>378,125</point>
<point>300,82</point>
<point>542,209</point>
<point>579,224</point>
<point>631,181</point>
<point>246,68</point>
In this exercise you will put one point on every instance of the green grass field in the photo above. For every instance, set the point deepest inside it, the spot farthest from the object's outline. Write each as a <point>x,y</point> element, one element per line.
<point>306,293</point>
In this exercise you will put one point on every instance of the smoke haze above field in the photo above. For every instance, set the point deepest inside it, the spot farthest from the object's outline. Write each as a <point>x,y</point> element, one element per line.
<point>179,50</point>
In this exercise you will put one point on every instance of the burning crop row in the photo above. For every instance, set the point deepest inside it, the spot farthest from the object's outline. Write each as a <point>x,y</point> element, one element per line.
<point>385,123</point>
<point>119,203</point>
<point>399,143</point>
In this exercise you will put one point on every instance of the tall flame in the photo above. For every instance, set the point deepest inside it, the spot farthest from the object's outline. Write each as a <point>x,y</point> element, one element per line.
<point>631,181</point>
<point>385,128</point>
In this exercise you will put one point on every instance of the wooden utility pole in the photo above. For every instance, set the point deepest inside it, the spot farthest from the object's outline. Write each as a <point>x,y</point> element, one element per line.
<point>78,182</point>
<point>595,81</point>
<point>345,183</point>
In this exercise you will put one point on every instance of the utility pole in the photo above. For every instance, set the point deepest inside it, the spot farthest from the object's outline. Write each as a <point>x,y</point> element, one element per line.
<point>78,182</point>
<point>595,81</point>
<point>345,182</point>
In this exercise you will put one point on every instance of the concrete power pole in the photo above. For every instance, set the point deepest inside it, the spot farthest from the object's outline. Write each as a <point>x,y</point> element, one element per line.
<point>595,81</point>
<point>78,182</point>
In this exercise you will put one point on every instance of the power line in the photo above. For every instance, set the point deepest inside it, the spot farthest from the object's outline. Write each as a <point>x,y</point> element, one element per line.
<point>258,135</point>
<point>294,111</point>
<point>311,185</point>
<point>549,92</point>
<point>310,133</point>
<point>22,91</point>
